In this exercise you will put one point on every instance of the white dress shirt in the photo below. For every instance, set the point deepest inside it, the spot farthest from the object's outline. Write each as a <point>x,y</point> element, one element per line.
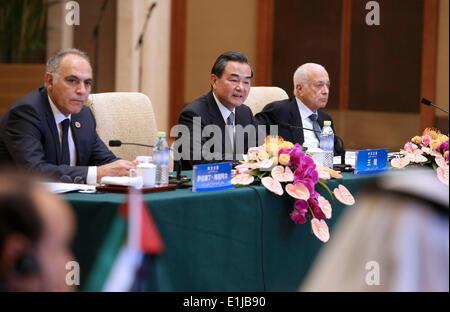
<point>59,117</point>
<point>305,112</point>
<point>225,114</point>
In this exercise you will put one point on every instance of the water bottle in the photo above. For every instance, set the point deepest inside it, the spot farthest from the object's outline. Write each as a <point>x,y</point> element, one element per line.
<point>161,160</point>
<point>327,143</point>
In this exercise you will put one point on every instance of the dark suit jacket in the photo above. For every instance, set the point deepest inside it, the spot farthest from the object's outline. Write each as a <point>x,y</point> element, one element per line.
<point>285,112</point>
<point>28,136</point>
<point>207,109</point>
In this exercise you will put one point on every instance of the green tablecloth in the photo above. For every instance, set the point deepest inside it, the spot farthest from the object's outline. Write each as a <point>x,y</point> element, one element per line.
<point>212,240</point>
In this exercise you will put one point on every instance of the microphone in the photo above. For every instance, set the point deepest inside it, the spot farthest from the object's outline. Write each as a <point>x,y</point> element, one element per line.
<point>343,167</point>
<point>115,143</point>
<point>180,180</point>
<point>428,103</point>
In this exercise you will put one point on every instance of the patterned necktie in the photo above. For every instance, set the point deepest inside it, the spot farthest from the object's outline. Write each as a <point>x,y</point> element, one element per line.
<point>230,122</point>
<point>316,127</point>
<point>65,153</point>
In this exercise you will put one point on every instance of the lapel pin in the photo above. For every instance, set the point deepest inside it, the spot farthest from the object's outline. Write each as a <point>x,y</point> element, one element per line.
<point>77,125</point>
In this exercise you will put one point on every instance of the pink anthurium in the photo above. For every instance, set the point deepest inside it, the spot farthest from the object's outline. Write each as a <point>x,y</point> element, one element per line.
<point>325,206</point>
<point>242,179</point>
<point>442,173</point>
<point>320,229</point>
<point>400,162</point>
<point>440,161</point>
<point>282,174</point>
<point>343,195</point>
<point>416,157</point>
<point>298,191</point>
<point>272,185</point>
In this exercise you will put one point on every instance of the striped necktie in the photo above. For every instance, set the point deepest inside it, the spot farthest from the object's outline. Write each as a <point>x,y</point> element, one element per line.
<point>316,127</point>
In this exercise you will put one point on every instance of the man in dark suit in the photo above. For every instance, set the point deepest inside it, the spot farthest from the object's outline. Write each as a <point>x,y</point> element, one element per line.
<point>51,131</point>
<point>218,126</point>
<point>311,90</point>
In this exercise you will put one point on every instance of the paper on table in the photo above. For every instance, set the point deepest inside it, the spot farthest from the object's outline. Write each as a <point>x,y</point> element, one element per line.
<point>59,188</point>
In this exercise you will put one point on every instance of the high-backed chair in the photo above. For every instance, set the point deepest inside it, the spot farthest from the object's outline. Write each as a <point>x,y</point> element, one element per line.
<point>261,96</point>
<point>125,116</point>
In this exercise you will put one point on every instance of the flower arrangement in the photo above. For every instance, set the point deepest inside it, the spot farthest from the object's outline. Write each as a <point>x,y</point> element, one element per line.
<point>432,149</point>
<point>278,163</point>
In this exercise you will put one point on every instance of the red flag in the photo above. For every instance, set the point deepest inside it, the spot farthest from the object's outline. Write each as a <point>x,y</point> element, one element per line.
<point>150,242</point>
<point>143,238</point>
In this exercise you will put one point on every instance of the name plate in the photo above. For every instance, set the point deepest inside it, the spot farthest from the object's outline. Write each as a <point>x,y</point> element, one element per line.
<point>212,177</point>
<point>371,161</point>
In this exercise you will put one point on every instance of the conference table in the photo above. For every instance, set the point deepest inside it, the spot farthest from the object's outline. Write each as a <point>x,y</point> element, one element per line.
<point>240,239</point>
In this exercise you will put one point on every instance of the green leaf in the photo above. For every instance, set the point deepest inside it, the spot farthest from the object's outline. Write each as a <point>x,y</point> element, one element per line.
<point>325,186</point>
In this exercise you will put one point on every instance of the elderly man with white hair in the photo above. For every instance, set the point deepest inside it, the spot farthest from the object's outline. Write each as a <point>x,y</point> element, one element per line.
<point>311,90</point>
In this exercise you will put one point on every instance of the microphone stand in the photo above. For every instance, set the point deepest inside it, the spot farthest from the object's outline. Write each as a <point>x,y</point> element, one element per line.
<point>140,42</point>
<point>96,41</point>
<point>428,103</point>
<point>181,181</point>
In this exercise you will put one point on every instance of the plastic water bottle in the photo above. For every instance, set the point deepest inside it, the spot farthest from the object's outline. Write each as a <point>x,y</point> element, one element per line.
<point>327,143</point>
<point>161,160</point>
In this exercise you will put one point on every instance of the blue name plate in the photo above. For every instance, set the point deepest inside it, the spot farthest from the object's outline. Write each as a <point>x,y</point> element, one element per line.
<point>212,177</point>
<point>371,161</point>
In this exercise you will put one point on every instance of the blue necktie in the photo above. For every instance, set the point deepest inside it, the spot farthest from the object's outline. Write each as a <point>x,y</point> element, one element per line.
<point>65,153</point>
<point>313,118</point>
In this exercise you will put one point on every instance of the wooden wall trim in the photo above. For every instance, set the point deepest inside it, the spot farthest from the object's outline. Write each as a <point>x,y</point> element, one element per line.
<point>264,43</point>
<point>429,61</point>
<point>344,72</point>
<point>177,60</point>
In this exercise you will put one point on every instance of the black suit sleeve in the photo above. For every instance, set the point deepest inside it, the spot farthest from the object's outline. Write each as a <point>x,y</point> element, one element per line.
<point>23,139</point>
<point>188,122</point>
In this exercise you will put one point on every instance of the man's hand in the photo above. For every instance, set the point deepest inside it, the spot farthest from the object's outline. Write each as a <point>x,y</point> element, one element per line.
<point>117,168</point>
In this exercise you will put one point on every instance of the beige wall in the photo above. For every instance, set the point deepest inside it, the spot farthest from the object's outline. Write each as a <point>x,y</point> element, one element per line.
<point>214,27</point>
<point>156,53</point>
<point>59,34</point>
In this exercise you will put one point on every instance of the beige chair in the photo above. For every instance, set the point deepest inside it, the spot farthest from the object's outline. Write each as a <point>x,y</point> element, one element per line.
<point>261,96</point>
<point>125,116</point>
